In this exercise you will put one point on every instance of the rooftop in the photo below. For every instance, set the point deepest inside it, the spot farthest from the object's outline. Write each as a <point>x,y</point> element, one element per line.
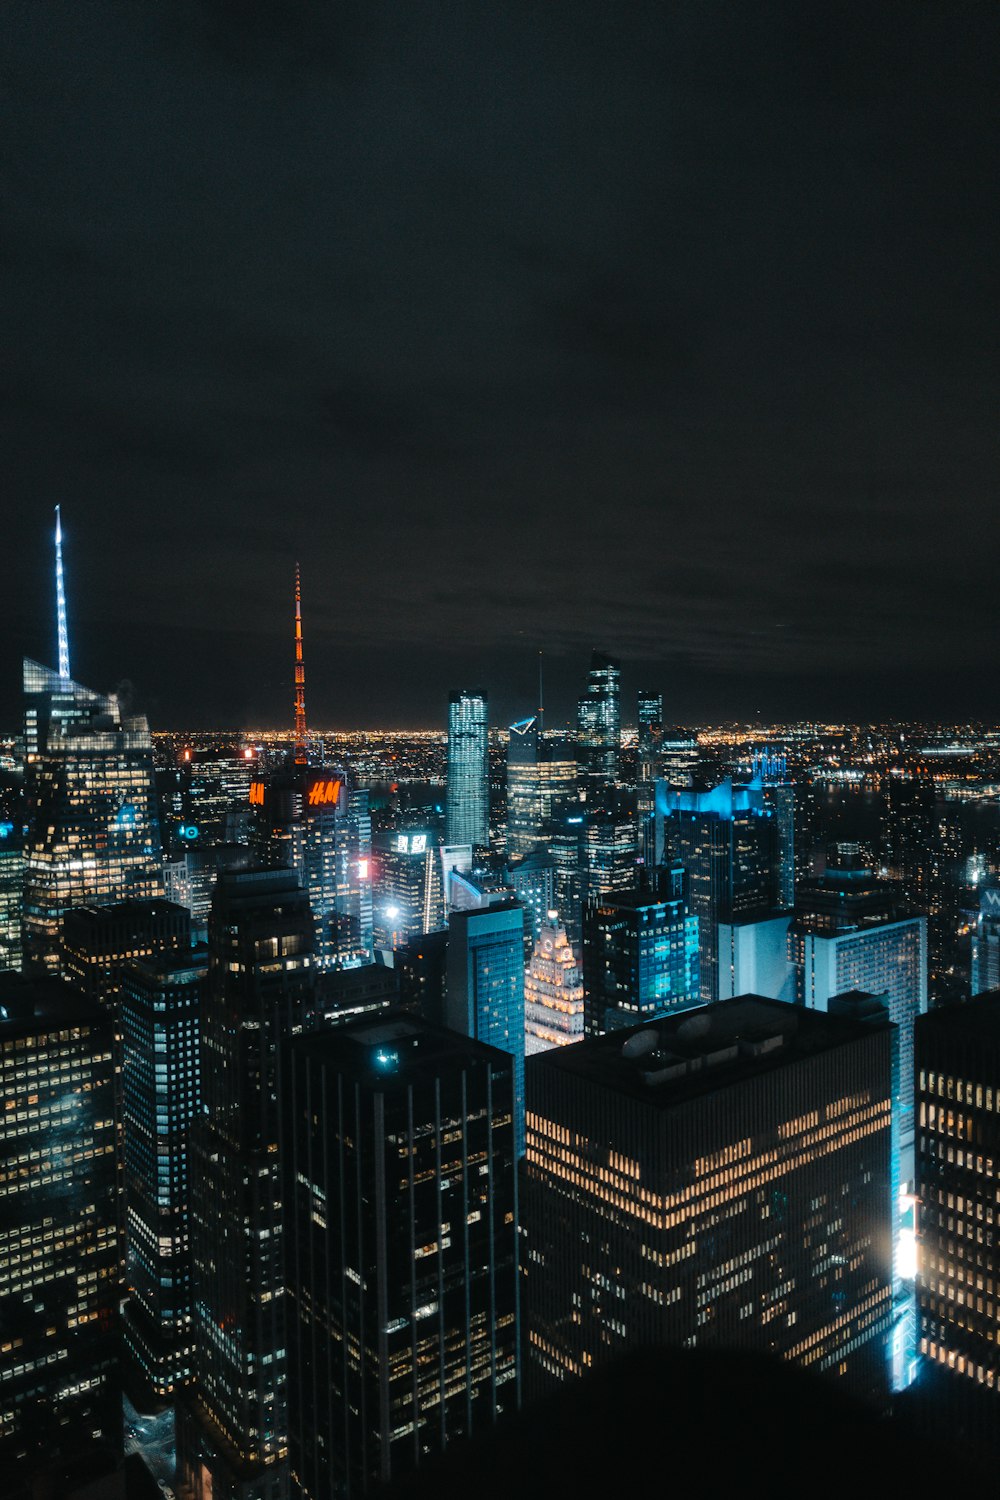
<point>697,1052</point>
<point>395,1049</point>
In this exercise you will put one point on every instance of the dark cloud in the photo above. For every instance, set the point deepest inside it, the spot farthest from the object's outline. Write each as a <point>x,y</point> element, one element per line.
<point>661,329</point>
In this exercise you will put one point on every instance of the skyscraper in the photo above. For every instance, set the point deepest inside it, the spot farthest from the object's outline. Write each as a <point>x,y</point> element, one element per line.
<point>985,955</point>
<point>407,886</point>
<point>11,896</point>
<point>715,1179</point>
<point>232,1432</point>
<point>93,834</point>
<point>314,820</point>
<point>727,841</point>
<point>485,988</point>
<point>401,1249</point>
<point>553,991</point>
<point>957,1161</point>
<point>59,1364</point>
<point>599,723</point>
<point>160,1008</point>
<point>468,796</point>
<point>640,954</point>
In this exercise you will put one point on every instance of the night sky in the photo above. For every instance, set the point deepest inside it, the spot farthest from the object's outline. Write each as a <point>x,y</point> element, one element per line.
<point>663,328</point>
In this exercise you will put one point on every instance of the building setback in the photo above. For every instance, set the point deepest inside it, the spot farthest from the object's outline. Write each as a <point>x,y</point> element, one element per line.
<point>719,1178</point>
<point>401,1249</point>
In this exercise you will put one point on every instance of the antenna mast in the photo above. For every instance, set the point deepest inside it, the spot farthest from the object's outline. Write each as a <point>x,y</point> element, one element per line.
<point>62,632</point>
<point>300,679</point>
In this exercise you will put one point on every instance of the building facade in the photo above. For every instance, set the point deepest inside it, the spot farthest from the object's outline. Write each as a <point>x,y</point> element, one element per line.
<point>640,954</point>
<point>233,1425</point>
<point>60,1414</point>
<point>467,807</point>
<point>485,985</point>
<point>401,1236</point>
<point>553,990</point>
<point>93,834</point>
<point>719,1179</point>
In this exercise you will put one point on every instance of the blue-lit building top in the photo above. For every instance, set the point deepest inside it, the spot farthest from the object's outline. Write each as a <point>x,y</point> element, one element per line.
<point>485,995</point>
<point>640,955</point>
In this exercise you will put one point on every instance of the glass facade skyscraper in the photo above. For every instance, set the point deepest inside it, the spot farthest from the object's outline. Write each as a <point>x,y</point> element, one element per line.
<point>599,722</point>
<point>160,1009</point>
<point>93,832</point>
<point>485,989</point>
<point>401,1249</point>
<point>468,790</point>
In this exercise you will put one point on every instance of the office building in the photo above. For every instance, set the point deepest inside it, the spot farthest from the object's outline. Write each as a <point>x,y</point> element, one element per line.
<point>985,955</point>
<point>541,778</point>
<point>756,956</point>
<point>609,851</point>
<point>640,954</point>
<point>232,1427</point>
<point>407,887</point>
<point>533,882</point>
<point>313,821</point>
<point>958,1282</point>
<point>485,984</point>
<point>60,1416</point>
<point>727,841</point>
<point>553,990</point>
<point>160,1014</point>
<point>849,935</point>
<point>599,724</point>
<point>771,770</point>
<point>401,1235</point>
<point>93,834</point>
<point>344,995</point>
<point>421,970</point>
<point>714,1179</point>
<point>99,942</point>
<point>11,896</point>
<point>467,817</point>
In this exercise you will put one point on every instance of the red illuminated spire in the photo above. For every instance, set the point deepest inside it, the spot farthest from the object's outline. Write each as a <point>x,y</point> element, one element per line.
<point>300,679</point>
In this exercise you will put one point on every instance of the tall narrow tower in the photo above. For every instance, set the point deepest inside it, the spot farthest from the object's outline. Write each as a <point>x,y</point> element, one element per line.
<point>300,678</point>
<point>62,632</point>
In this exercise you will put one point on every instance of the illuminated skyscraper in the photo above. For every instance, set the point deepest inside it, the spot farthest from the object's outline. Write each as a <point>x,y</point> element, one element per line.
<point>485,990</point>
<point>160,1008</point>
<point>771,770</point>
<point>407,887</point>
<point>93,833</point>
<point>314,820</point>
<point>401,1240</point>
<point>232,1433</point>
<point>727,841</point>
<point>640,954</point>
<point>985,965</point>
<point>523,796</point>
<point>599,722</point>
<point>11,896</point>
<point>714,1180</point>
<point>468,799</point>
<point>553,991</point>
<point>60,1415</point>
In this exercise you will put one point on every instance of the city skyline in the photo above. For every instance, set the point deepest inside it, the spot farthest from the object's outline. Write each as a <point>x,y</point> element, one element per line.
<point>660,334</point>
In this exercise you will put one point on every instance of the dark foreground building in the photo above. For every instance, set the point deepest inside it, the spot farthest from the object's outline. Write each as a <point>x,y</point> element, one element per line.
<point>401,1249</point>
<point>719,1179</point>
<point>60,1391</point>
<point>957,1171</point>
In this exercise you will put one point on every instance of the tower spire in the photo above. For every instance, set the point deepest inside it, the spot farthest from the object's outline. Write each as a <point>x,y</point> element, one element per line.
<point>541,695</point>
<point>62,632</point>
<point>300,678</point>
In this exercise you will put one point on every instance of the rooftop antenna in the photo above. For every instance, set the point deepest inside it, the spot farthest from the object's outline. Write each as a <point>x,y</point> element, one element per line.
<point>300,678</point>
<point>63,633</point>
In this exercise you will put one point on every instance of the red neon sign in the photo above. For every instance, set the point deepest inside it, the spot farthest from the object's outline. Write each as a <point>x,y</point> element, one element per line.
<point>324,793</point>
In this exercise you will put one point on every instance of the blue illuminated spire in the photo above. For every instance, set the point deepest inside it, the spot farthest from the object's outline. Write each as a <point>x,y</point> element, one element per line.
<point>61,605</point>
